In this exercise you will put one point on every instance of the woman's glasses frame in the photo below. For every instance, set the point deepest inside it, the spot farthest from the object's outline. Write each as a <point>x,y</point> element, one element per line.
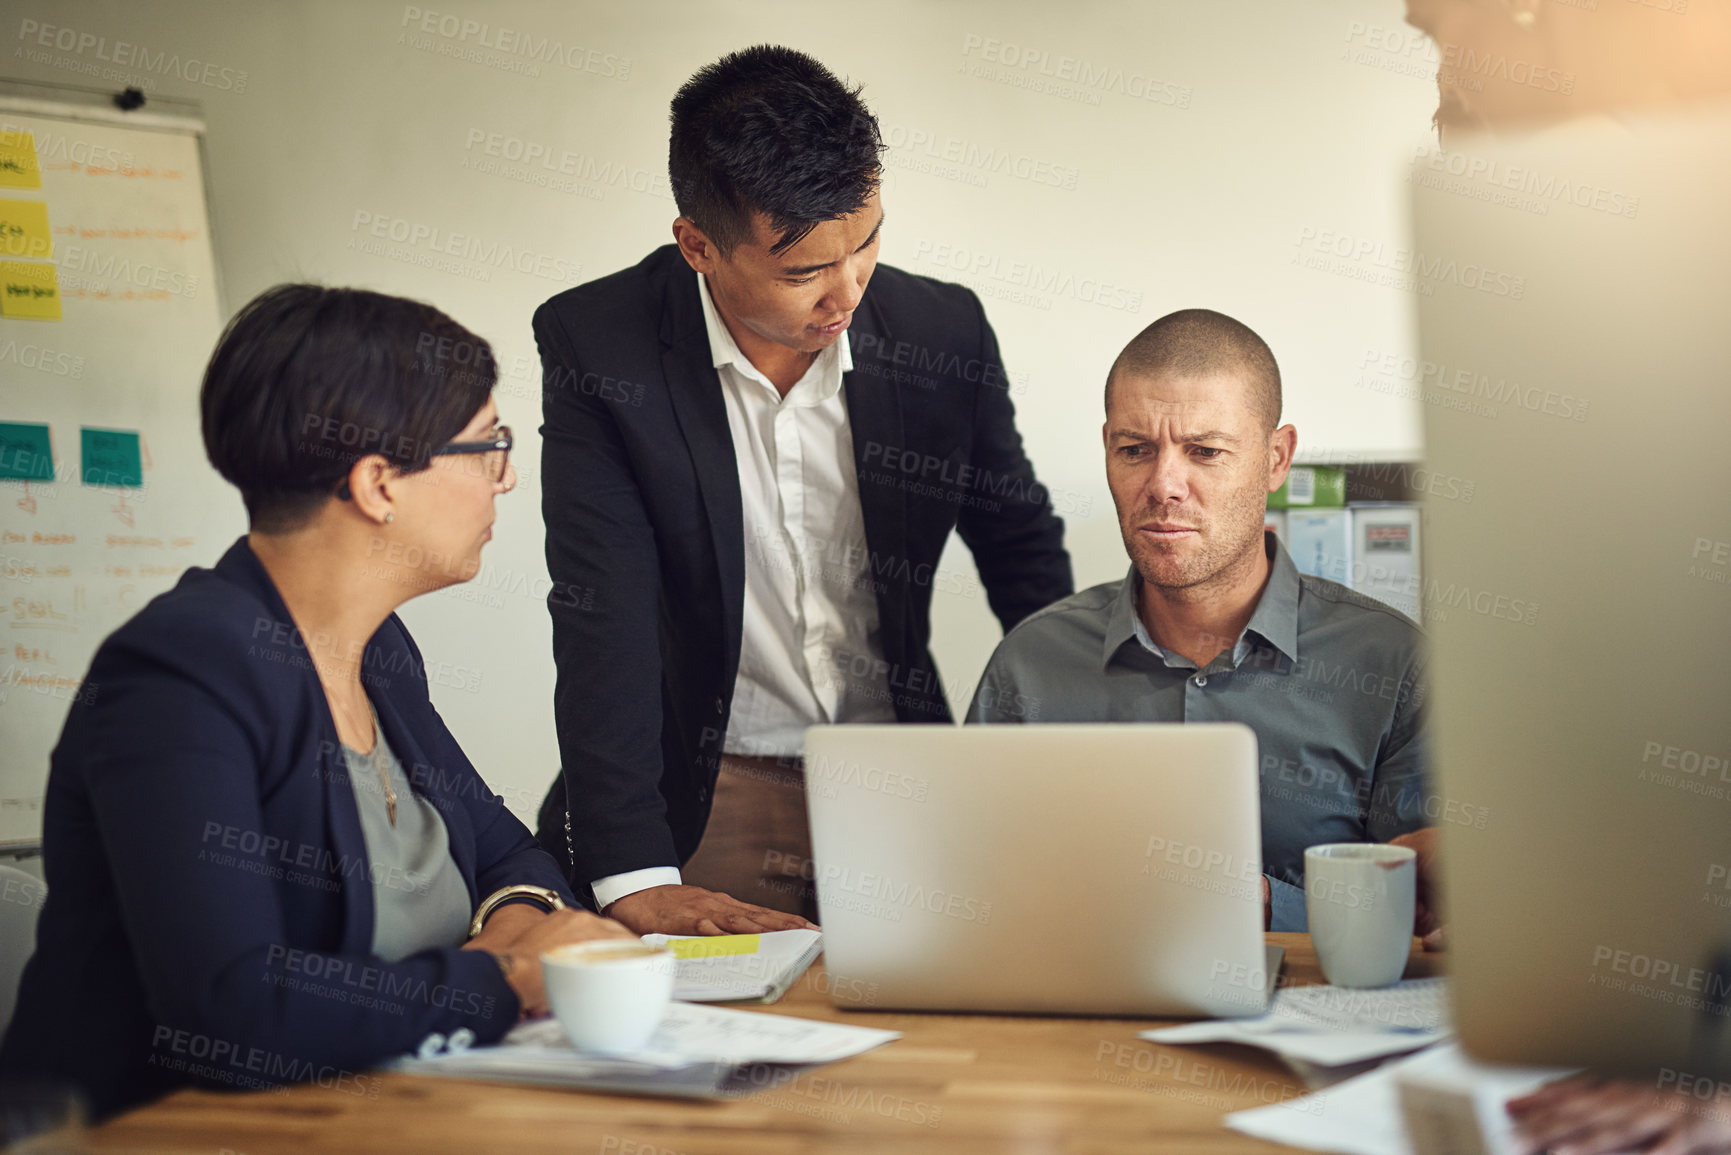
<point>500,442</point>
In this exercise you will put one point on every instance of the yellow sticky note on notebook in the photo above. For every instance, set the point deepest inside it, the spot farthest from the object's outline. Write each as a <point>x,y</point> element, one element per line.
<point>29,290</point>
<point>718,946</point>
<point>18,167</point>
<point>24,230</point>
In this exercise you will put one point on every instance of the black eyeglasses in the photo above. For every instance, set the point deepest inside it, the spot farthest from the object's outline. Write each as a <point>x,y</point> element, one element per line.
<point>489,456</point>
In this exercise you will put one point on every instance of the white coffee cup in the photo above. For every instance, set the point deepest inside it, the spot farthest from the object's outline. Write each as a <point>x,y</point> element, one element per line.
<point>1359,897</point>
<point>608,995</point>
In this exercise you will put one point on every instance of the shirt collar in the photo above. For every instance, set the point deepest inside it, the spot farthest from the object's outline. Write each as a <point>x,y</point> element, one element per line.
<point>724,350</point>
<point>1275,619</point>
<point>1122,623</point>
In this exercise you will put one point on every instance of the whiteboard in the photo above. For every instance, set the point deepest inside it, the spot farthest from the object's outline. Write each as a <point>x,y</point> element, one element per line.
<point>132,252</point>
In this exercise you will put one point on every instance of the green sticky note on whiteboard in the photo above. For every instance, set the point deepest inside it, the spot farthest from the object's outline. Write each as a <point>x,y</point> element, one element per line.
<point>25,453</point>
<point>111,457</point>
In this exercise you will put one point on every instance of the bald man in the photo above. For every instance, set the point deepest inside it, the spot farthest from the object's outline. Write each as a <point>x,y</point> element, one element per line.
<point>1213,623</point>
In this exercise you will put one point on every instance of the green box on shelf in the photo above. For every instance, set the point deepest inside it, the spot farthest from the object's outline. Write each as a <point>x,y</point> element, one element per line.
<point>1310,487</point>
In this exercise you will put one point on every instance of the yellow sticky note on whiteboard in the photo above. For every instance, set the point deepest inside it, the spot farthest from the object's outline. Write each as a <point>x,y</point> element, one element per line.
<point>716,946</point>
<point>18,168</point>
<point>24,230</point>
<point>29,290</point>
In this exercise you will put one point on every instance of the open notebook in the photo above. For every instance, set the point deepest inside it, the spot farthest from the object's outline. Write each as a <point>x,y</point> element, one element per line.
<point>739,967</point>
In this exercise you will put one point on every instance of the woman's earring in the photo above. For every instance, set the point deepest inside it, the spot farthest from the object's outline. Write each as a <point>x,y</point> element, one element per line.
<point>390,517</point>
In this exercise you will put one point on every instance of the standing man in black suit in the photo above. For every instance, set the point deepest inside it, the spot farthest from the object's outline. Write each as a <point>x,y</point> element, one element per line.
<point>756,443</point>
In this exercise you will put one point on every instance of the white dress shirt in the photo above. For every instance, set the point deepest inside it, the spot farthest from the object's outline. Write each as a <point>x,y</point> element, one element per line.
<point>809,648</point>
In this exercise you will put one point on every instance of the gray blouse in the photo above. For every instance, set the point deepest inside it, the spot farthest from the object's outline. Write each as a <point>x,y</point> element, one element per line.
<point>420,900</point>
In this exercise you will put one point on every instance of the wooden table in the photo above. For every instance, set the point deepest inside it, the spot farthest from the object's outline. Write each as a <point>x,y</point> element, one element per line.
<point>954,1083</point>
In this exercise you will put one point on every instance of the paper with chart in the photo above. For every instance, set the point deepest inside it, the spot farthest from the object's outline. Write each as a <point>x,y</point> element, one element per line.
<point>1365,1116</point>
<point>108,312</point>
<point>1333,1026</point>
<point>690,1036</point>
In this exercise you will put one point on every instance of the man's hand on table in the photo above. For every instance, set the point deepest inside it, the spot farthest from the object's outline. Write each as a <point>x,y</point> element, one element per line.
<point>694,910</point>
<point>1585,1115</point>
<point>1427,913</point>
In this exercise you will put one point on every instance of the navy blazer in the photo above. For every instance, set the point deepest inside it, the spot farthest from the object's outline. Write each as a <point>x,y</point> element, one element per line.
<point>646,537</point>
<point>210,911</point>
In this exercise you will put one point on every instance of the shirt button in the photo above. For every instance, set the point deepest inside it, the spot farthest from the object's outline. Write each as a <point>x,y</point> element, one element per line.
<point>702,794</point>
<point>718,706</point>
<point>1200,679</point>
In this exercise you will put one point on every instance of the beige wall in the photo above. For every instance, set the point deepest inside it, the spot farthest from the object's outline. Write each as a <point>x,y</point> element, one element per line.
<point>1155,156</point>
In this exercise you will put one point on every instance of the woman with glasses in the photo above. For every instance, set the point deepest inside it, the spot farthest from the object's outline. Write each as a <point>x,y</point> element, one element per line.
<point>268,860</point>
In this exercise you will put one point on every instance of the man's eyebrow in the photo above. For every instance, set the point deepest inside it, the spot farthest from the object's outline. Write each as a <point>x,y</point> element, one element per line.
<point>1182,438</point>
<point>802,270</point>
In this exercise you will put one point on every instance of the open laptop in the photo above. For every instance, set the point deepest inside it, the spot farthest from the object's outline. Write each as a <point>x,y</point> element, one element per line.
<point>1107,870</point>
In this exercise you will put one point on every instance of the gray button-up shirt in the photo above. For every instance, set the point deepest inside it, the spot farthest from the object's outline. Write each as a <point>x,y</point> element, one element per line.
<point>1331,681</point>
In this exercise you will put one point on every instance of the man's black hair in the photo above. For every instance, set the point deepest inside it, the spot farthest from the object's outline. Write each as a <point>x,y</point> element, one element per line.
<point>307,380</point>
<point>770,130</point>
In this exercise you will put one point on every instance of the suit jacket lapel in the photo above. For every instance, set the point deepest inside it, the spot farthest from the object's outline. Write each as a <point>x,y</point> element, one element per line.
<point>874,412</point>
<point>695,390</point>
<point>342,815</point>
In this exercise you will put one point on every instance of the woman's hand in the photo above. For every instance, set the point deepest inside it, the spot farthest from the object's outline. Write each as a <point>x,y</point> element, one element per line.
<point>518,934</point>
<point>505,924</point>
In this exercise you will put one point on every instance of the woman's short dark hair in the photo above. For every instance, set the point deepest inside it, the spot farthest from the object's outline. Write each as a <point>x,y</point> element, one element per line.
<point>772,130</point>
<point>306,380</point>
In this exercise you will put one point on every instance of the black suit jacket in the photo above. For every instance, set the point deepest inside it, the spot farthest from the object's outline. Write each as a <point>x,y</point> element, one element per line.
<point>210,905</point>
<point>645,535</point>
